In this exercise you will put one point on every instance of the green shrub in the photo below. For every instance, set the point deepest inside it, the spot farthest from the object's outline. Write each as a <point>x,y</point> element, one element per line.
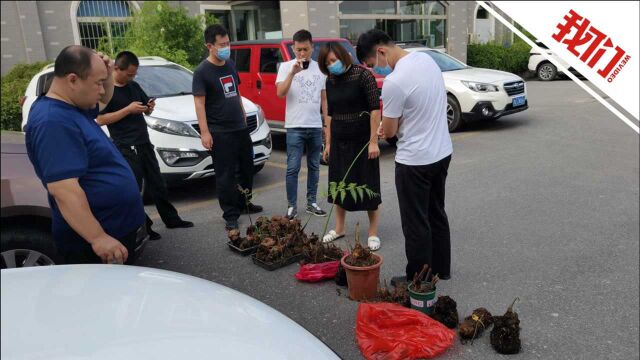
<point>14,84</point>
<point>160,29</point>
<point>513,59</point>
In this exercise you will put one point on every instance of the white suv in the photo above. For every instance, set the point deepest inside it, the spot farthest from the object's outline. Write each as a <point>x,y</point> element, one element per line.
<point>476,93</point>
<point>173,126</point>
<point>543,68</point>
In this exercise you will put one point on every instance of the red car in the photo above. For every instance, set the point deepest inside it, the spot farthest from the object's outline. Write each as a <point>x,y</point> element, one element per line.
<point>257,64</point>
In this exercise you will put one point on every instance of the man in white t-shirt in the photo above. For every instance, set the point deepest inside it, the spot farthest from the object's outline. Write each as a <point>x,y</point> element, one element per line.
<point>302,83</point>
<point>414,108</point>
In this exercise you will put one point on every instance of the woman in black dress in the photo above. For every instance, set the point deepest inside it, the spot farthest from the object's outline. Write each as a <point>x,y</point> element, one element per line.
<point>352,122</point>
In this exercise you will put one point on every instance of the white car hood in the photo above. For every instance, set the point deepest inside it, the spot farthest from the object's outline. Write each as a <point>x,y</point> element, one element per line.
<point>481,75</point>
<point>127,312</point>
<point>182,108</point>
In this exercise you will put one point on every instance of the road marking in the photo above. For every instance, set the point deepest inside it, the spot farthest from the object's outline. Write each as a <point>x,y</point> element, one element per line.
<point>207,203</point>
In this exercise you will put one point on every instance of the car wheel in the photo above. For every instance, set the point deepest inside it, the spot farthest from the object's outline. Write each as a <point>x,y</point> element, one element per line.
<point>24,247</point>
<point>454,115</point>
<point>257,168</point>
<point>547,71</point>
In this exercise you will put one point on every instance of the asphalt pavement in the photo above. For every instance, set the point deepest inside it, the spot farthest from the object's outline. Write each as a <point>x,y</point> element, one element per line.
<point>543,205</point>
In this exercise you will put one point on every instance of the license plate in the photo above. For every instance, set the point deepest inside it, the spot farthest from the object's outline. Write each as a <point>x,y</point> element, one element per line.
<point>518,101</point>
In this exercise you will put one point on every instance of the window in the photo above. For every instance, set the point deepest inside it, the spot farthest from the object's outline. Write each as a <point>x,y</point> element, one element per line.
<point>413,21</point>
<point>223,17</point>
<point>368,7</point>
<point>242,58</point>
<point>269,60</point>
<point>421,8</point>
<point>482,13</point>
<point>102,21</point>
<point>44,83</point>
<point>430,33</point>
<point>164,81</point>
<point>445,62</point>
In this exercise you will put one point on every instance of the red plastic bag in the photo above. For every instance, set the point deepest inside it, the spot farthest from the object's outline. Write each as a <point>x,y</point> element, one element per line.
<point>318,272</point>
<point>390,331</point>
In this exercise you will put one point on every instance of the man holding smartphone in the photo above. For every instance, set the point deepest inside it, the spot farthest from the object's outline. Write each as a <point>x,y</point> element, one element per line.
<point>302,83</point>
<point>128,129</point>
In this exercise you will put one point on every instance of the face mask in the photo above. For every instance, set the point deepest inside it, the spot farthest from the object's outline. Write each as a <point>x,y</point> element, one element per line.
<point>224,53</point>
<point>336,68</point>
<point>384,71</point>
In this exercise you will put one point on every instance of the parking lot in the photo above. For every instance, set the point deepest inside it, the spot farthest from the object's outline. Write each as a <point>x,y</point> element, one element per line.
<point>543,205</point>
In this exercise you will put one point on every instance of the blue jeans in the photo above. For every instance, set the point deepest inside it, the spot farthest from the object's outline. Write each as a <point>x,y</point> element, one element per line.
<point>297,140</point>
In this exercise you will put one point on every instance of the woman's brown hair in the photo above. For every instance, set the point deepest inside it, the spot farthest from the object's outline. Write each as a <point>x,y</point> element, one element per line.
<point>341,54</point>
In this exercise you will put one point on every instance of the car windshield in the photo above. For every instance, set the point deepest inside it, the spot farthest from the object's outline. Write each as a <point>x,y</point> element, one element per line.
<point>319,44</point>
<point>445,62</point>
<point>164,80</point>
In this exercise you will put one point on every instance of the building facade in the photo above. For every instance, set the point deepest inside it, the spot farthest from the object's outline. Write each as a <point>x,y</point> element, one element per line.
<point>37,30</point>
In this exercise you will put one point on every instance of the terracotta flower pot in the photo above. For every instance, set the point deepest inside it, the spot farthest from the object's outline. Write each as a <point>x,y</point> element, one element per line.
<point>362,281</point>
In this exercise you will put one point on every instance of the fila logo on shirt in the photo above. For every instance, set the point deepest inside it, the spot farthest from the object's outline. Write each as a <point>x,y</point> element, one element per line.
<point>228,86</point>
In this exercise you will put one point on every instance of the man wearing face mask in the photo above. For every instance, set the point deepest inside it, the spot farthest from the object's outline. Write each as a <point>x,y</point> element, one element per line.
<point>303,85</point>
<point>223,125</point>
<point>414,108</point>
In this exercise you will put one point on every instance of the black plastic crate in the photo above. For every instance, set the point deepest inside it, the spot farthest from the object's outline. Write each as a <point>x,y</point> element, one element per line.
<point>243,252</point>
<point>276,265</point>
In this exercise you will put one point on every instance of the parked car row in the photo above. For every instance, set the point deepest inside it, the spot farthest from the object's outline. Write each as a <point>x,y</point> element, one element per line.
<point>173,127</point>
<point>473,93</point>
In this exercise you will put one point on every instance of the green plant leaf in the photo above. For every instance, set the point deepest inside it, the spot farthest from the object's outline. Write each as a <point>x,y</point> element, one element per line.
<point>334,195</point>
<point>343,194</point>
<point>354,195</point>
<point>361,193</point>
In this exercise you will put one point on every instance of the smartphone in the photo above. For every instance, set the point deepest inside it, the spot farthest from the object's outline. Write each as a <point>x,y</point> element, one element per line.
<point>151,100</point>
<point>305,64</point>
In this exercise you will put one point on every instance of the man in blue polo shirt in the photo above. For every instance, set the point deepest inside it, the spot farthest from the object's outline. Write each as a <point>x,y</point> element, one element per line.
<point>94,197</point>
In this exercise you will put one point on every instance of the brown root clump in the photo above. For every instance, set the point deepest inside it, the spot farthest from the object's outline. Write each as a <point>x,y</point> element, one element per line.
<point>399,295</point>
<point>243,242</point>
<point>341,276</point>
<point>279,238</point>
<point>505,335</point>
<point>315,252</point>
<point>361,256</point>
<point>423,282</point>
<point>473,325</point>
<point>445,311</point>
<point>234,235</point>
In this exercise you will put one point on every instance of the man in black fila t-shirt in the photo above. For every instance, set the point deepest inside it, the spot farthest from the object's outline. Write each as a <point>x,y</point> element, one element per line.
<point>128,129</point>
<point>223,125</point>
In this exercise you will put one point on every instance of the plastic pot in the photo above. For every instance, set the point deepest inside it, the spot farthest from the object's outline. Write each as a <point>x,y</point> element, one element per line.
<point>422,302</point>
<point>362,281</point>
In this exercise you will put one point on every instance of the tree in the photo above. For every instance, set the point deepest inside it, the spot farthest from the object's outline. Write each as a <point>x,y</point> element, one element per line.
<point>159,29</point>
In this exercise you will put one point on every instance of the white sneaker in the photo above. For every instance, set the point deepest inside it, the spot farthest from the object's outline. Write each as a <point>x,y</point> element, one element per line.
<point>291,213</point>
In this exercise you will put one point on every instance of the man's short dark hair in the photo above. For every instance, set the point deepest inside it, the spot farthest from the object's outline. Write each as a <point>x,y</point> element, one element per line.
<point>368,41</point>
<point>73,59</point>
<point>124,59</point>
<point>302,36</point>
<point>212,31</point>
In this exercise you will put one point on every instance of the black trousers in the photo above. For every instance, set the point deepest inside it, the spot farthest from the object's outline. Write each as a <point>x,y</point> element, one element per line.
<point>142,160</point>
<point>233,162</point>
<point>421,192</point>
<point>85,255</point>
